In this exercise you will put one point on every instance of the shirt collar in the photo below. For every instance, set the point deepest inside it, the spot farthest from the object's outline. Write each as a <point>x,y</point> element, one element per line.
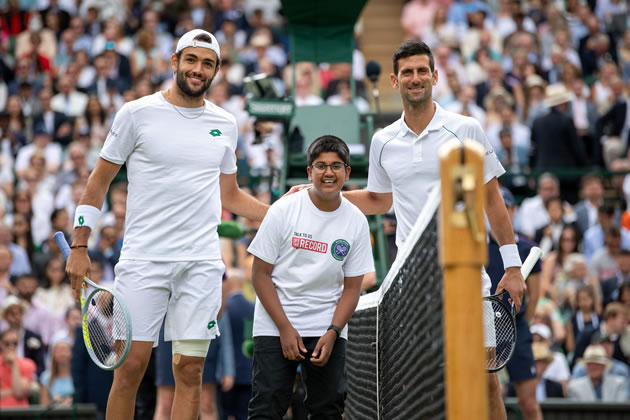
<point>434,125</point>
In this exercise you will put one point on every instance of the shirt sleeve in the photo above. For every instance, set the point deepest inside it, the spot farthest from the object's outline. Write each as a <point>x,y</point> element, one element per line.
<point>266,244</point>
<point>121,139</point>
<point>492,166</point>
<point>378,180</point>
<point>228,164</point>
<point>360,260</point>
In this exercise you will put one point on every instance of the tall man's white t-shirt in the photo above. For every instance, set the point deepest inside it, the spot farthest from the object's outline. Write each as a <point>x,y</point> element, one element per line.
<point>408,165</point>
<point>312,251</point>
<point>173,168</point>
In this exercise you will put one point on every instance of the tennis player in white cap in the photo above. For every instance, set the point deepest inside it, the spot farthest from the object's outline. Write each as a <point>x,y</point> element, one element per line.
<point>180,155</point>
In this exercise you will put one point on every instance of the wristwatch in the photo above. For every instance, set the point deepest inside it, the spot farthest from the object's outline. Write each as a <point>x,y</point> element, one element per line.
<point>335,329</point>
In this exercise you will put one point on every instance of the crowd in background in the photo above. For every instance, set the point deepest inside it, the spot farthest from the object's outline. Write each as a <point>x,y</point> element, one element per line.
<point>524,69</point>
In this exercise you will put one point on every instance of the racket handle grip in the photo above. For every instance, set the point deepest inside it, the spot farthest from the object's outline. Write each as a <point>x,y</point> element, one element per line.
<point>63,244</point>
<point>530,261</point>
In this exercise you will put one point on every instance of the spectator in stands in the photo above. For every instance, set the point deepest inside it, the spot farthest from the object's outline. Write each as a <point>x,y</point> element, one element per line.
<point>615,320</point>
<point>610,286</point>
<point>55,294</point>
<point>6,281</point>
<point>574,276</point>
<point>545,388</point>
<point>566,151</point>
<point>19,258</point>
<point>598,385</point>
<point>593,197</point>
<point>615,367</point>
<point>532,213</point>
<point>554,261</point>
<point>30,344</point>
<point>584,114</point>
<point>68,101</point>
<point>42,143</point>
<point>54,123</point>
<point>594,236</point>
<point>16,373</point>
<point>548,236</point>
<point>603,264</point>
<point>584,317</point>
<point>57,387</point>
<point>557,367</point>
<point>23,234</point>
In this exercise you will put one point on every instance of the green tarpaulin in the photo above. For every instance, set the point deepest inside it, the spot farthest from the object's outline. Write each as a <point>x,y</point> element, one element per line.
<point>322,30</point>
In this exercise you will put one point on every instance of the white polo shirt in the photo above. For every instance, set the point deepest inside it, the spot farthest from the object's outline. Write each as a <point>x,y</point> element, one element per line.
<point>408,165</point>
<point>173,166</point>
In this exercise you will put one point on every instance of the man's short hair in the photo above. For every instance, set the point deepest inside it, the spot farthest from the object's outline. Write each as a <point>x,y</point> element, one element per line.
<point>613,309</point>
<point>328,143</point>
<point>410,48</point>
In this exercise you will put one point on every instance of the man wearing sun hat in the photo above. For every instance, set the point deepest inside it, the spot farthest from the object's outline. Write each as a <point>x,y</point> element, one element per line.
<point>555,142</point>
<point>598,384</point>
<point>179,150</point>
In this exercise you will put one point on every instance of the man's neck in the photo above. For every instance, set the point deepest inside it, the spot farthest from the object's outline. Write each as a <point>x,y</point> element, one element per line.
<point>418,116</point>
<point>177,98</point>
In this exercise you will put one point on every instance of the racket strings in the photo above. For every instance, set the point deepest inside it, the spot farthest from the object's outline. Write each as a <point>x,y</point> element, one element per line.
<point>107,327</point>
<point>499,323</point>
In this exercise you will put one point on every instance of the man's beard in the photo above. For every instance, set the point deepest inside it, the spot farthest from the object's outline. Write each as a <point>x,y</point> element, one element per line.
<point>187,91</point>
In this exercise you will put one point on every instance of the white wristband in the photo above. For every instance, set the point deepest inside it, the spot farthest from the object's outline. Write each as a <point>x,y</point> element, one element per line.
<point>510,256</point>
<point>86,216</point>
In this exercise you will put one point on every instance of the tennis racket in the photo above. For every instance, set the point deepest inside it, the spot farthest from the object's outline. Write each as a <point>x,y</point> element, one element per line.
<point>106,322</point>
<point>500,322</point>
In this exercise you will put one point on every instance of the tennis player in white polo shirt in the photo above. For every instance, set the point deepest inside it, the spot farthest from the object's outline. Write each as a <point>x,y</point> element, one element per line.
<point>179,151</point>
<point>404,167</point>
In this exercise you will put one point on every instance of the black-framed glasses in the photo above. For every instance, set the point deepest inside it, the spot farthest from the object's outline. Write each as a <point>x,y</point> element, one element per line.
<point>335,167</point>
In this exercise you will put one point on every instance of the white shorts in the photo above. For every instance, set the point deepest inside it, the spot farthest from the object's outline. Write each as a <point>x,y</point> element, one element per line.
<point>489,334</point>
<point>188,292</point>
<point>487,312</point>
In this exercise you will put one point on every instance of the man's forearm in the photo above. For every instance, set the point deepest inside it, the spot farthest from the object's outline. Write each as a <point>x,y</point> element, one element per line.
<point>245,205</point>
<point>369,202</point>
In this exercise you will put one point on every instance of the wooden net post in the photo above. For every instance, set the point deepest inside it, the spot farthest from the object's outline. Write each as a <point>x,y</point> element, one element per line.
<point>463,251</point>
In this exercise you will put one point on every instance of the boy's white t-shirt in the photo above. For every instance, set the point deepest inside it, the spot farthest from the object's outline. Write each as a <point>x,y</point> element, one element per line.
<point>173,168</point>
<point>311,251</point>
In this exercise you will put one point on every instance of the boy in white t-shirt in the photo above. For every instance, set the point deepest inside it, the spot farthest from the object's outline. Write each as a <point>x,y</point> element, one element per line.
<point>311,253</point>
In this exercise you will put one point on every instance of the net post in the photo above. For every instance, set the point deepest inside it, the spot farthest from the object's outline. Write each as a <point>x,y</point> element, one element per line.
<point>463,250</point>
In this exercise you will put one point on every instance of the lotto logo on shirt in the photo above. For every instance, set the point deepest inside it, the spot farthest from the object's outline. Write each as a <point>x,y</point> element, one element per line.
<point>309,245</point>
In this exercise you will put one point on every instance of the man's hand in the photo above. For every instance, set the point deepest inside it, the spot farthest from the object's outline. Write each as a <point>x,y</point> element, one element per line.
<point>292,345</point>
<point>78,267</point>
<point>324,348</point>
<point>296,188</point>
<point>227,382</point>
<point>513,282</point>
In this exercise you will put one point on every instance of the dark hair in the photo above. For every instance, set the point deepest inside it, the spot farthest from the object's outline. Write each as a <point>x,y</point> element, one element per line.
<point>328,143</point>
<point>555,198</point>
<point>200,37</point>
<point>410,48</point>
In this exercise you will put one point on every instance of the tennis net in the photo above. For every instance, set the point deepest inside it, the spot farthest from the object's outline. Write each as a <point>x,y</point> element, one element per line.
<point>395,360</point>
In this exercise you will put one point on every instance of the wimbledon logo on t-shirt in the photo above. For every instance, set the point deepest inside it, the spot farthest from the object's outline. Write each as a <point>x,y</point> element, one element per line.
<point>340,249</point>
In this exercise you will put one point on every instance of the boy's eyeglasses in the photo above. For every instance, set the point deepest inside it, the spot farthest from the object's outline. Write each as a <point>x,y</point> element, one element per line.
<point>335,167</point>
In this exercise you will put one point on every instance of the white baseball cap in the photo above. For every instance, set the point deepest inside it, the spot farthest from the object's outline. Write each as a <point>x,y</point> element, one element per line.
<point>542,330</point>
<point>188,40</point>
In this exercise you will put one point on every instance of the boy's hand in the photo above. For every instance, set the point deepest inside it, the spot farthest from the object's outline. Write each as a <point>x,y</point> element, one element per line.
<point>324,348</point>
<point>292,345</point>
